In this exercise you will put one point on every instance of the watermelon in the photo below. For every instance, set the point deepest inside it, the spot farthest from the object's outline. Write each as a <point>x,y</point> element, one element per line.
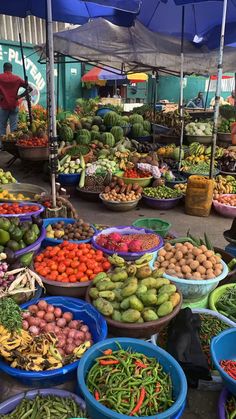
<point>111,119</point>
<point>117,132</point>
<point>108,139</point>
<point>87,126</point>
<point>137,130</point>
<point>85,133</point>
<point>102,128</point>
<point>136,119</point>
<point>97,120</point>
<point>176,154</point>
<point>83,140</point>
<point>147,126</point>
<point>125,118</point>
<point>65,133</point>
<point>95,128</point>
<point>95,135</point>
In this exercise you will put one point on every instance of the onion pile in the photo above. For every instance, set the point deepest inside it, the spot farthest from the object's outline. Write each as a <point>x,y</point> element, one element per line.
<point>46,318</point>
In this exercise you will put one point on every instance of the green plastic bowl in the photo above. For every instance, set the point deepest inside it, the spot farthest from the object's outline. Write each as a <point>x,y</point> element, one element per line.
<point>156,224</point>
<point>216,294</point>
<point>145,181</point>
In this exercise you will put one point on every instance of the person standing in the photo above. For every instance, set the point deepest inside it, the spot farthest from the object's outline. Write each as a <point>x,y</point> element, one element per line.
<point>231,99</point>
<point>9,86</point>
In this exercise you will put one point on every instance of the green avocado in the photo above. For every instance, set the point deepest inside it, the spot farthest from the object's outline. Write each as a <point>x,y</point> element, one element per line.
<point>22,244</point>
<point>4,237</point>
<point>29,237</point>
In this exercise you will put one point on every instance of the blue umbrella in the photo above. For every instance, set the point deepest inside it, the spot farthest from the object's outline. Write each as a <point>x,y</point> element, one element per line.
<point>201,18</point>
<point>121,12</point>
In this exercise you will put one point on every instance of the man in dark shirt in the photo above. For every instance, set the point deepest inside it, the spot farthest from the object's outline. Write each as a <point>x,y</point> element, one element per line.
<point>197,102</point>
<point>9,86</point>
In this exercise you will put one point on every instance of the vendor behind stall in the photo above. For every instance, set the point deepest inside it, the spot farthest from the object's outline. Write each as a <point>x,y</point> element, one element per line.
<point>197,102</point>
<point>231,99</point>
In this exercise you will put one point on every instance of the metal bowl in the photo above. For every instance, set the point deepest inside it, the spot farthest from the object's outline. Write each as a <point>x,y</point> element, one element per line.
<point>27,189</point>
<point>33,153</point>
<point>138,330</point>
<point>202,139</point>
<point>119,205</point>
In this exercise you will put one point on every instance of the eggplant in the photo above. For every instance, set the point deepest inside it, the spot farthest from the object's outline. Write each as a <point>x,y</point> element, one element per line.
<point>11,258</point>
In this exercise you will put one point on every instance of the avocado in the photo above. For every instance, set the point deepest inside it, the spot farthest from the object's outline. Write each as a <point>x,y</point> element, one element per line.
<point>17,234</point>
<point>29,237</point>
<point>4,237</point>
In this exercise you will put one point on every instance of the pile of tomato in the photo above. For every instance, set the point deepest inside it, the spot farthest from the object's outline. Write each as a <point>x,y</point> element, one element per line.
<point>17,209</point>
<point>133,173</point>
<point>71,262</point>
<point>33,142</point>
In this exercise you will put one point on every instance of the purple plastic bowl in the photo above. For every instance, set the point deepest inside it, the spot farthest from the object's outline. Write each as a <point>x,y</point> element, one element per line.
<point>225,210</point>
<point>34,246</point>
<point>24,216</point>
<point>127,230</point>
<point>10,404</point>
<point>161,204</point>
<point>221,403</point>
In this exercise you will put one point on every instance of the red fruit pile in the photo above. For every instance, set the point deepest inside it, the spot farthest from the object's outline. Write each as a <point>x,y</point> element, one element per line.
<point>17,208</point>
<point>133,173</point>
<point>128,242</point>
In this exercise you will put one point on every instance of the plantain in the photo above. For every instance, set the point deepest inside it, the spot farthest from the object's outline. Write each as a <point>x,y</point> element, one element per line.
<point>55,353</point>
<point>78,352</point>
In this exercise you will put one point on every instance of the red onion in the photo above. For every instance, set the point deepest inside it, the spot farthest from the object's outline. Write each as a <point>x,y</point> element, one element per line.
<point>25,325</point>
<point>69,348</point>
<point>73,324</point>
<point>57,330</point>
<point>32,321</point>
<point>42,324</point>
<point>84,328</point>
<point>78,342</point>
<point>49,317</point>
<point>80,335</point>
<point>41,314</point>
<point>33,308</point>
<point>62,352</point>
<point>42,305</point>
<point>25,314</point>
<point>34,330</point>
<point>69,341</point>
<point>66,331</point>
<point>88,336</point>
<point>37,321</point>
<point>72,334</point>
<point>50,308</point>
<point>68,316</point>
<point>61,322</point>
<point>57,312</point>
<point>61,343</point>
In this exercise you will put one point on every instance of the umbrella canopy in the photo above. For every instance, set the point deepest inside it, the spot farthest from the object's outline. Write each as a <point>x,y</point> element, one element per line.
<point>202,19</point>
<point>96,74</point>
<point>137,77</point>
<point>100,41</point>
<point>74,11</point>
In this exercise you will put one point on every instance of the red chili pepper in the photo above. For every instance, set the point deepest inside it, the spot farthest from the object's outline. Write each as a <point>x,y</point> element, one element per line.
<point>140,402</point>
<point>108,352</point>
<point>108,362</point>
<point>229,367</point>
<point>96,395</point>
<point>140,364</point>
<point>158,387</point>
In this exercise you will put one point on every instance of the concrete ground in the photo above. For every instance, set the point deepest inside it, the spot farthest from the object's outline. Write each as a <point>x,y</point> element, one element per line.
<point>201,404</point>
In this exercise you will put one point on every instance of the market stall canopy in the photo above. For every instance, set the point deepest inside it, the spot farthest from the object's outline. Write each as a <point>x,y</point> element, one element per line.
<point>136,49</point>
<point>74,11</point>
<point>107,73</point>
<point>202,19</point>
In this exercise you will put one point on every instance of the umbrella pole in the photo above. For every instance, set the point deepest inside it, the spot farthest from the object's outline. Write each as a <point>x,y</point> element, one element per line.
<point>218,87</point>
<point>52,104</point>
<point>181,103</point>
<point>208,89</point>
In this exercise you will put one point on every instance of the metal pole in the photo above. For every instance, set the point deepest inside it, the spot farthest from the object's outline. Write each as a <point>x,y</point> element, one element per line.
<point>26,82</point>
<point>52,104</point>
<point>208,89</point>
<point>218,87</point>
<point>181,102</point>
<point>58,82</point>
<point>235,90</point>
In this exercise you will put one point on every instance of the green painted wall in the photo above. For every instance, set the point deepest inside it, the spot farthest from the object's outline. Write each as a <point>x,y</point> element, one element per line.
<point>168,88</point>
<point>68,75</point>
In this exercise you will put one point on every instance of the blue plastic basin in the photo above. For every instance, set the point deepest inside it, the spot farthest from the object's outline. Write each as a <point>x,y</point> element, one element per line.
<point>69,179</point>
<point>103,111</point>
<point>223,347</point>
<point>10,404</point>
<point>53,242</point>
<point>81,311</point>
<point>97,411</point>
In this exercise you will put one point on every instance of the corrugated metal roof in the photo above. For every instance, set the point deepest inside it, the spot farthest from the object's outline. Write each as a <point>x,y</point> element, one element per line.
<point>32,29</point>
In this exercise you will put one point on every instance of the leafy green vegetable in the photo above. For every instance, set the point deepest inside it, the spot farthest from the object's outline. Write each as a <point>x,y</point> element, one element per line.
<point>10,314</point>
